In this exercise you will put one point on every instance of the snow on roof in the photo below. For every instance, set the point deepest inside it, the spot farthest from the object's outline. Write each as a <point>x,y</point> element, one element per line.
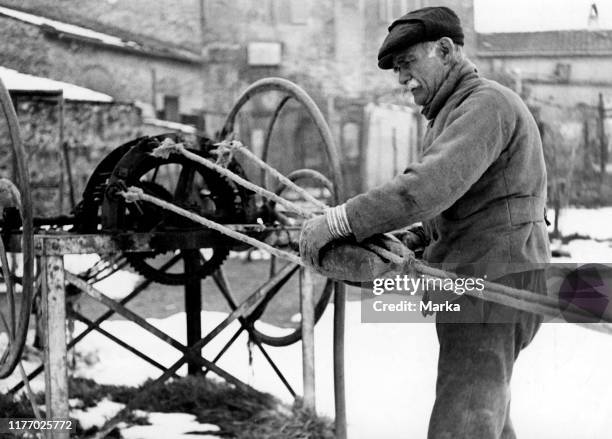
<point>14,80</point>
<point>166,124</point>
<point>546,43</point>
<point>68,28</point>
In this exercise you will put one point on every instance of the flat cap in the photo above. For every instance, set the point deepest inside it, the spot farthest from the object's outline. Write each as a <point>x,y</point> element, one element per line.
<point>426,24</point>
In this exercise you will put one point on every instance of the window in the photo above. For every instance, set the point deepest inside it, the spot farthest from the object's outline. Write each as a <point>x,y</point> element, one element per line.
<point>562,72</point>
<point>264,53</point>
<point>171,108</point>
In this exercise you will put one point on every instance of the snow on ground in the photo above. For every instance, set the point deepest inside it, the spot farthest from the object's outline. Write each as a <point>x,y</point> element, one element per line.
<point>116,286</point>
<point>170,426</point>
<point>162,425</point>
<point>97,415</point>
<point>587,251</point>
<point>559,389</point>
<point>596,223</point>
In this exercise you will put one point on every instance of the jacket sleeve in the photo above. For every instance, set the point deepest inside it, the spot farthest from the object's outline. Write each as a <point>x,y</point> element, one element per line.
<point>475,134</point>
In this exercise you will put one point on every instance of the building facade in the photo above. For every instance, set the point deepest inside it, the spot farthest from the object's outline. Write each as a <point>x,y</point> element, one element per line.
<point>189,63</point>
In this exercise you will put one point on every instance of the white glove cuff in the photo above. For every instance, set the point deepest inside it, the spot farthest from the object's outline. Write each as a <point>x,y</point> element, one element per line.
<point>337,222</point>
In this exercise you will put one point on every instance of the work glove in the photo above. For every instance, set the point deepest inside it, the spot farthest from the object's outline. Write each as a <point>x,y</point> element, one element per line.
<point>345,260</point>
<point>408,238</point>
<point>315,235</point>
<point>413,237</point>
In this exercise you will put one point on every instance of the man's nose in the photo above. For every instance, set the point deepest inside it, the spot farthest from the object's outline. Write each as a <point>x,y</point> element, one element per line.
<point>404,77</point>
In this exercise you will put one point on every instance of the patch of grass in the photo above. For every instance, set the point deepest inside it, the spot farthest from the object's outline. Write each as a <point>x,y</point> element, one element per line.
<point>11,407</point>
<point>240,414</point>
<point>297,424</point>
<point>90,392</point>
<point>209,400</point>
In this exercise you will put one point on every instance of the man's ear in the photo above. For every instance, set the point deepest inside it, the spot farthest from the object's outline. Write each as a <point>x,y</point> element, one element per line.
<point>446,48</point>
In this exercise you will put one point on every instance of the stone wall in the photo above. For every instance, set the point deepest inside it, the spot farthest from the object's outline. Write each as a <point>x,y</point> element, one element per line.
<point>90,132</point>
<point>128,77</point>
<point>329,49</point>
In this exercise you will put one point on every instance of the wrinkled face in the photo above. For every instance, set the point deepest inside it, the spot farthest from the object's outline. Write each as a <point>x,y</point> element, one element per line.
<point>421,70</point>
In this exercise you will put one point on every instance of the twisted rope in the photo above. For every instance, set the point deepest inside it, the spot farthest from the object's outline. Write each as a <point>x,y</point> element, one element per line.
<point>168,147</point>
<point>235,145</point>
<point>501,294</point>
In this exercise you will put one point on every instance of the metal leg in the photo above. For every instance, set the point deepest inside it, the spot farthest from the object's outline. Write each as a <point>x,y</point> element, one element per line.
<point>193,303</point>
<point>339,389</point>
<point>307,306</point>
<point>54,316</point>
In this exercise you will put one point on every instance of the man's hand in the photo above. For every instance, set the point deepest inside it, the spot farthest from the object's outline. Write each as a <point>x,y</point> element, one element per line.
<point>409,239</point>
<point>414,238</point>
<point>315,235</point>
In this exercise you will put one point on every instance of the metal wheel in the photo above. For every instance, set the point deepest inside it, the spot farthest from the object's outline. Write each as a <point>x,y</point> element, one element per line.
<point>16,202</point>
<point>289,286</point>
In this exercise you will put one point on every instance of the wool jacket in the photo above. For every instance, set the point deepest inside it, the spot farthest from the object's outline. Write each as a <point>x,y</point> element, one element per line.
<point>479,187</point>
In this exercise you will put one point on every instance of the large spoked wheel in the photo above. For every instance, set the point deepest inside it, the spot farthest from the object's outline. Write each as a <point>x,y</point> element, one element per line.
<point>16,197</point>
<point>287,289</point>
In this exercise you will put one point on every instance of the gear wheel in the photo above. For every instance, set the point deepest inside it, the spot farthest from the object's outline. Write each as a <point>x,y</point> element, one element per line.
<point>149,219</point>
<point>216,198</point>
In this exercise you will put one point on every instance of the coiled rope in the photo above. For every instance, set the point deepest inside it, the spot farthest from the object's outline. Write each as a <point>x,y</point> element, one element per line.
<point>504,295</point>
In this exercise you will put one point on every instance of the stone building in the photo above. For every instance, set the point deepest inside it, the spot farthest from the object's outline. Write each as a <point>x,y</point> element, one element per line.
<point>563,67</point>
<point>564,77</point>
<point>159,75</point>
<point>190,63</point>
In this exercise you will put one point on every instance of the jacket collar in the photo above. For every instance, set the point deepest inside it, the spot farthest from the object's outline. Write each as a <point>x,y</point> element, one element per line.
<point>458,74</point>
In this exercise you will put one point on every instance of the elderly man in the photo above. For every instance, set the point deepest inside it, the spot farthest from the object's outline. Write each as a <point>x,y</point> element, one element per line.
<point>479,189</point>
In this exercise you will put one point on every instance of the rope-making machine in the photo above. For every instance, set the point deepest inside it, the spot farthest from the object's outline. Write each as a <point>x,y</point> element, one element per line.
<point>170,247</point>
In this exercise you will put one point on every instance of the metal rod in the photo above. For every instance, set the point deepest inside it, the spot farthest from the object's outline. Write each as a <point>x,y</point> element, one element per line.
<point>223,285</point>
<point>122,311</point>
<point>193,302</point>
<point>307,305</point>
<point>92,325</point>
<point>339,382</point>
<point>224,349</point>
